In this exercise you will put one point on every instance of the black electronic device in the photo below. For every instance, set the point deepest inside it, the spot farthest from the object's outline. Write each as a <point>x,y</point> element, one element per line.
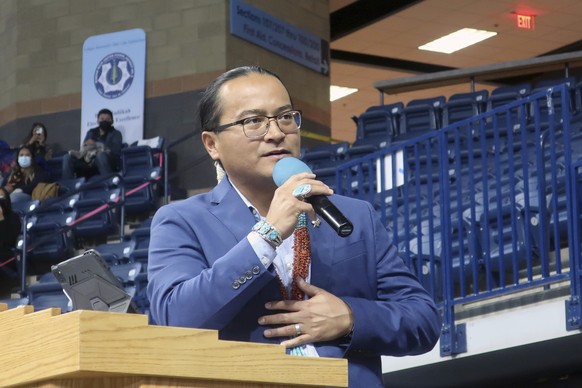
<point>90,285</point>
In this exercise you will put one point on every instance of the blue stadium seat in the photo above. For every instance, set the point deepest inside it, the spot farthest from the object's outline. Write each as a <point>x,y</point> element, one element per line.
<point>138,167</point>
<point>25,208</point>
<point>54,168</point>
<point>126,273</point>
<point>512,119</point>
<point>47,295</point>
<point>462,106</point>
<point>376,124</point>
<point>539,111</point>
<point>50,238</point>
<point>97,202</point>
<point>141,239</point>
<point>67,186</point>
<point>420,116</point>
<point>13,303</point>
<point>362,147</point>
<point>393,109</point>
<point>116,253</point>
<point>500,243</point>
<point>323,154</point>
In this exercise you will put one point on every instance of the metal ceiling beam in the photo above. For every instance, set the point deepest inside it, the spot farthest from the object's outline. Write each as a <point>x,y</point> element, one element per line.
<point>386,63</point>
<point>362,13</point>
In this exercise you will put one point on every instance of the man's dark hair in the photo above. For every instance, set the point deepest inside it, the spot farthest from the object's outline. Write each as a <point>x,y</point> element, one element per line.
<point>106,111</point>
<point>209,109</point>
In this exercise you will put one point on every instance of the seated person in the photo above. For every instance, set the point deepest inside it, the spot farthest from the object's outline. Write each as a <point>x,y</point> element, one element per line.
<point>36,140</point>
<point>101,150</point>
<point>25,175</point>
<point>6,159</point>
<point>9,226</point>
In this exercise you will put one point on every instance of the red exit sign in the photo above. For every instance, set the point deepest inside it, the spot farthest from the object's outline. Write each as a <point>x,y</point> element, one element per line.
<point>525,21</point>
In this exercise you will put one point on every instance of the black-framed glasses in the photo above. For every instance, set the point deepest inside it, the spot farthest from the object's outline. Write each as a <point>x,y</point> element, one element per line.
<point>257,126</point>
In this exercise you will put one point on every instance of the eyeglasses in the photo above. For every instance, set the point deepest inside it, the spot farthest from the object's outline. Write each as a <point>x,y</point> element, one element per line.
<point>257,126</point>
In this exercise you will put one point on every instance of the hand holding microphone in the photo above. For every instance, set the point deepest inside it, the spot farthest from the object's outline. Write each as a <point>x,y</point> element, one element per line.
<point>286,168</point>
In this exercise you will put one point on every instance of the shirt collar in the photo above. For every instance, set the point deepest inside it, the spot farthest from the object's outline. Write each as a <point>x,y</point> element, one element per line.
<point>247,202</point>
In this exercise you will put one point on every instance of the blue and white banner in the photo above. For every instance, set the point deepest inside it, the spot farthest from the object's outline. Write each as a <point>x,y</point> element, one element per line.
<point>278,36</point>
<point>114,78</point>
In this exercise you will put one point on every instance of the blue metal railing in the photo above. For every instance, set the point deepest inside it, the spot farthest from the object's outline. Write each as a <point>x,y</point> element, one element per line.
<point>482,207</point>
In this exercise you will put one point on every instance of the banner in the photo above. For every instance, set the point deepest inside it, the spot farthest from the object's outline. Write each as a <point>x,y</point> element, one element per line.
<point>114,78</point>
<point>278,36</point>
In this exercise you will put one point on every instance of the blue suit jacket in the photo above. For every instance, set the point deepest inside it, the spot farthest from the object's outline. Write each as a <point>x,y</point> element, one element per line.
<point>198,249</point>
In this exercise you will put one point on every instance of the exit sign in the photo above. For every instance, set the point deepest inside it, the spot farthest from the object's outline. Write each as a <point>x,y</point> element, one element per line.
<point>525,21</point>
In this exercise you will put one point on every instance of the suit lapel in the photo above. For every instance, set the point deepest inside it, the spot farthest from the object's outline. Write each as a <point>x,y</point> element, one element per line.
<point>229,206</point>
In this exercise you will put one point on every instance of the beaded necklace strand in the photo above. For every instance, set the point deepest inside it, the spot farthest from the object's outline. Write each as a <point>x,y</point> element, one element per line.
<point>301,259</point>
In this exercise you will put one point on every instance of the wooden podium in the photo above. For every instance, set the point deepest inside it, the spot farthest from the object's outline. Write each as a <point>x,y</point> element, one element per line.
<point>109,350</point>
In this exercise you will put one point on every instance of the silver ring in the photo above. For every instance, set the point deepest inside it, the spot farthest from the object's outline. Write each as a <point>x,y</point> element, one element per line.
<point>316,222</point>
<point>297,329</point>
<point>302,191</point>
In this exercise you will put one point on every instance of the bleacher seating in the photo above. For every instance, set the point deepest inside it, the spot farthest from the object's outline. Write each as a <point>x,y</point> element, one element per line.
<point>126,273</point>
<point>96,206</point>
<point>25,208</point>
<point>325,155</point>
<point>67,186</point>
<point>48,294</point>
<point>15,302</point>
<point>494,233</point>
<point>394,110</point>
<point>495,217</point>
<point>49,238</point>
<point>116,253</point>
<point>54,168</point>
<point>462,106</point>
<point>507,120</point>
<point>141,239</point>
<point>420,116</point>
<point>140,164</point>
<point>538,110</point>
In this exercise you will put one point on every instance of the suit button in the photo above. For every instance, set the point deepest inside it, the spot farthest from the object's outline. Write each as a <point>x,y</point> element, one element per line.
<point>242,280</point>
<point>248,275</point>
<point>256,270</point>
<point>236,284</point>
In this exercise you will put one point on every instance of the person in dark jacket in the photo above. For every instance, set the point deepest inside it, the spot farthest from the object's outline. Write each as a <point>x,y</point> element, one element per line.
<point>9,226</point>
<point>36,140</point>
<point>101,150</point>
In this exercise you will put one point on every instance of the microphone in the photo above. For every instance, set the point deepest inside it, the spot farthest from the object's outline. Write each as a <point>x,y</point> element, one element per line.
<point>289,166</point>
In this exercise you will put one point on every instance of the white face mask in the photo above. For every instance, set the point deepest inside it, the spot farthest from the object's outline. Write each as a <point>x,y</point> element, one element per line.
<point>24,161</point>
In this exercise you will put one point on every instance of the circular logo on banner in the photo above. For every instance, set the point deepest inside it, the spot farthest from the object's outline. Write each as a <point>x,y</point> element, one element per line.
<point>114,75</point>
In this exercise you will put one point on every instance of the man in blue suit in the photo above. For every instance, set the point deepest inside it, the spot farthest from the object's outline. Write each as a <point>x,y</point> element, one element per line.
<point>243,259</point>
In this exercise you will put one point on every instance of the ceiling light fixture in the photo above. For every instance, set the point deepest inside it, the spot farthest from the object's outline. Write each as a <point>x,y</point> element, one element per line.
<point>457,40</point>
<point>337,92</point>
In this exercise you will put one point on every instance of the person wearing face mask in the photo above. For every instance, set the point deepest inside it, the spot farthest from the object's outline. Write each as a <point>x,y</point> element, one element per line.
<point>25,175</point>
<point>101,150</point>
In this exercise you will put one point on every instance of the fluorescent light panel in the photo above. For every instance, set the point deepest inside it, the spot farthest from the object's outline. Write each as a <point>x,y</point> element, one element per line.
<point>457,40</point>
<point>337,92</point>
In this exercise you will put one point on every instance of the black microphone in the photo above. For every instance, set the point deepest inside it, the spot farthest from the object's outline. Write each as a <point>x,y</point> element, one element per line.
<point>286,168</point>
